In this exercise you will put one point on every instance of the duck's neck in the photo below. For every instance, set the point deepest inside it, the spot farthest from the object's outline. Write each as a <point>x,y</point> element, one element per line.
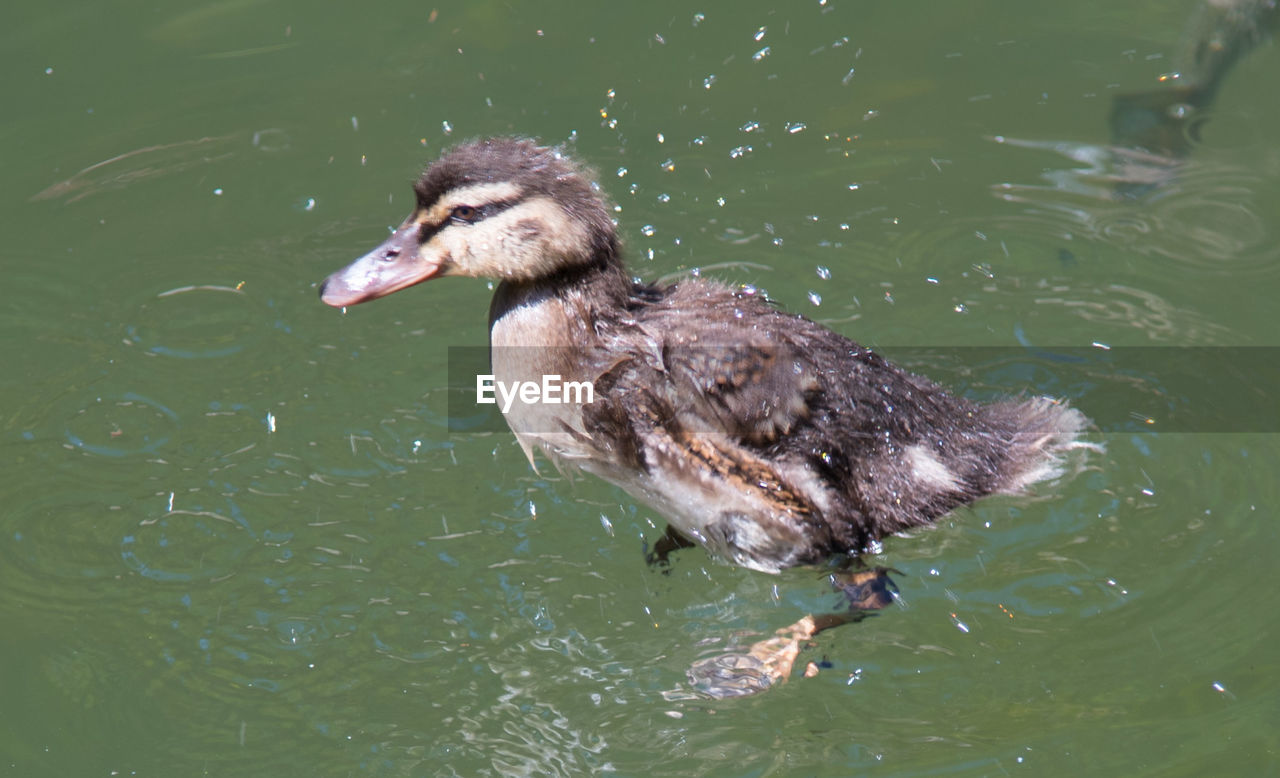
<point>579,293</point>
<point>548,327</point>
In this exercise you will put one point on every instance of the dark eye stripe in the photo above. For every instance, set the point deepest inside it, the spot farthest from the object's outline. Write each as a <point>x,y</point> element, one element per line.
<point>478,213</point>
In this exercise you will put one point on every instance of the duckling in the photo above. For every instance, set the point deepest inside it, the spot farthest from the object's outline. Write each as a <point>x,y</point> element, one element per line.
<point>762,436</point>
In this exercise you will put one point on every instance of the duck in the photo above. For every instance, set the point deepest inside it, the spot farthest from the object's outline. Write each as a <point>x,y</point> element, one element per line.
<point>764,437</point>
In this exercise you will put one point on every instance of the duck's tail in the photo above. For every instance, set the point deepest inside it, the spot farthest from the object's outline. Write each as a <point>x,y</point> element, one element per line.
<point>1045,441</point>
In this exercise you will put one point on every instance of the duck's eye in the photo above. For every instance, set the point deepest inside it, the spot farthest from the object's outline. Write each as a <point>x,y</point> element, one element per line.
<point>465,213</point>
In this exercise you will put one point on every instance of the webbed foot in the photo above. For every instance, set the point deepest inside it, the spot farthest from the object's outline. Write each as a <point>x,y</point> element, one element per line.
<point>771,661</point>
<point>764,664</point>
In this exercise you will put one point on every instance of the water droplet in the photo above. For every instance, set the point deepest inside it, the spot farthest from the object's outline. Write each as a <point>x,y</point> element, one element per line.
<point>668,165</point>
<point>961,308</point>
<point>738,152</point>
<point>761,54</point>
<point>647,230</point>
<point>815,298</point>
<point>794,127</point>
<point>622,172</point>
<point>824,273</point>
<point>446,127</point>
<point>759,36</point>
<point>664,198</point>
<point>847,77</point>
<point>708,81</point>
<point>749,127</point>
<point>699,19</point>
<point>700,140</point>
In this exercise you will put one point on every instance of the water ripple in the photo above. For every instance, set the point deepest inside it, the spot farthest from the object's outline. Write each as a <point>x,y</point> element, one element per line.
<point>197,322</point>
<point>1201,213</point>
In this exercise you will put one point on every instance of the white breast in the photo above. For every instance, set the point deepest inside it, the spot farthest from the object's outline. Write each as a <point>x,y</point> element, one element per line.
<point>530,343</point>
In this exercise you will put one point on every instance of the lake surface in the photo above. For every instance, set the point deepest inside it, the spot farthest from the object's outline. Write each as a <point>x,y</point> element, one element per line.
<point>239,539</point>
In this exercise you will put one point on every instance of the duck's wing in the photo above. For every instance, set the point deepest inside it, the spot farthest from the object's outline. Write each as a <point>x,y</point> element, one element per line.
<point>713,361</point>
<point>754,390</point>
<point>740,367</point>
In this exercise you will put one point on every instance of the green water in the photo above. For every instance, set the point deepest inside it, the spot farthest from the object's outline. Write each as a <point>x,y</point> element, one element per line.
<point>237,538</point>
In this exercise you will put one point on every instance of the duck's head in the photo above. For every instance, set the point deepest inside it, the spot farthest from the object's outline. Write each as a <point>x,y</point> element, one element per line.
<point>501,208</point>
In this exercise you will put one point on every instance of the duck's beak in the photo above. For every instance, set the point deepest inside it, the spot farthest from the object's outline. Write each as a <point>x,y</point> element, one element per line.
<point>398,263</point>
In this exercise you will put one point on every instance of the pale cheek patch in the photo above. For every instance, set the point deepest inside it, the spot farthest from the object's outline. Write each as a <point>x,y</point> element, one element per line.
<point>528,240</point>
